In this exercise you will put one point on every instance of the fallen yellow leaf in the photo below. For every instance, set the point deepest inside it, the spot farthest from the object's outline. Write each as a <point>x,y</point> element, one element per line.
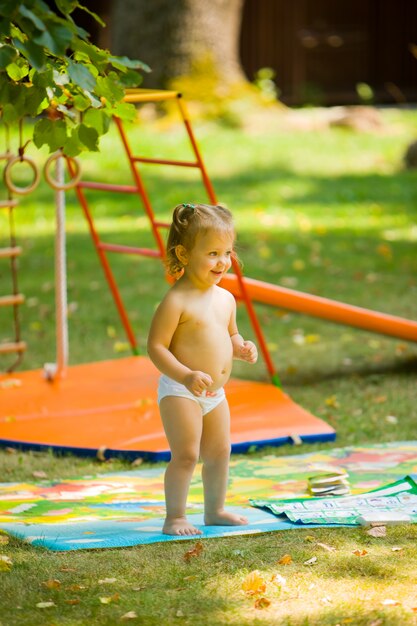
<point>109,599</point>
<point>254,583</point>
<point>360,552</point>
<point>332,401</point>
<point>121,346</point>
<point>5,563</point>
<point>285,560</point>
<point>385,251</point>
<point>52,584</point>
<point>196,551</point>
<point>262,603</point>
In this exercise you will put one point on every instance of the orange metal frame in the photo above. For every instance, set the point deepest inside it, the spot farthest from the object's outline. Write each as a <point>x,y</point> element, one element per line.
<point>243,288</point>
<point>137,96</point>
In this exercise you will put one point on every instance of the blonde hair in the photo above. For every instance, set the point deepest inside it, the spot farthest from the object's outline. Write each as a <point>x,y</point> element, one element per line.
<point>188,220</point>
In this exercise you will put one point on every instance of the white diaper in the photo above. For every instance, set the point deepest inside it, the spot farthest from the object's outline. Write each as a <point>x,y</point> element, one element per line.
<point>207,401</point>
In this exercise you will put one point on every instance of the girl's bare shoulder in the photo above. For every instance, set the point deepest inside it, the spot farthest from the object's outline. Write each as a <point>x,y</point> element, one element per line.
<point>173,299</point>
<point>226,296</point>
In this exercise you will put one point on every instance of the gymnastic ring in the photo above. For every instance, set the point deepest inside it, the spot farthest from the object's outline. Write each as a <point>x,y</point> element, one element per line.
<point>8,179</point>
<point>71,161</point>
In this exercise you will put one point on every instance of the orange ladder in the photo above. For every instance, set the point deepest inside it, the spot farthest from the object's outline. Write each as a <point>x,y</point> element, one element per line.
<point>12,252</point>
<point>137,96</point>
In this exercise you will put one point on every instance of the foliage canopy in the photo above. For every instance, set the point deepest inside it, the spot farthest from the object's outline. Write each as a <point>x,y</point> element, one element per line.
<point>48,64</point>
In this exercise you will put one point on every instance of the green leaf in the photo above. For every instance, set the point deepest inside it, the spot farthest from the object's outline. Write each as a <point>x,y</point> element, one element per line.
<point>125,111</point>
<point>4,27</point>
<point>8,7</point>
<point>17,71</point>
<point>96,55</point>
<point>89,137</point>
<point>73,145</point>
<point>131,79</point>
<point>36,21</point>
<point>66,6</point>
<point>16,96</point>
<point>98,119</point>
<point>56,38</point>
<point>50,132</point>
<point>124,62</point>
<point>4,88</point>
<point>9,113</point>
<point>81,32</point>
<point>109,87</point>
<point>81,102</point>
<point>32,52</point>
<point>43,79</point>
<point>81,75</point>
<point>7,55</point>
<point>94,15</point>
<point>33,99</point>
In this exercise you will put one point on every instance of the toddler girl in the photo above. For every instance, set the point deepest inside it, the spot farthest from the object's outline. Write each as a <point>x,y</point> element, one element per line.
<point>192,341</point>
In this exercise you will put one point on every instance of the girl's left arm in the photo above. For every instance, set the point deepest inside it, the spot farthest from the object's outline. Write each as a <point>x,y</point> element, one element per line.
<point>242,350</point>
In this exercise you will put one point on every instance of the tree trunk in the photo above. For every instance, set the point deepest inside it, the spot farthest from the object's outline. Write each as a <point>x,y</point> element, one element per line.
<point>171,35</point>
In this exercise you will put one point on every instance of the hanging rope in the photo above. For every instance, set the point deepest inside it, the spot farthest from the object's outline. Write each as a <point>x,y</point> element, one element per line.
<point>61,304</point>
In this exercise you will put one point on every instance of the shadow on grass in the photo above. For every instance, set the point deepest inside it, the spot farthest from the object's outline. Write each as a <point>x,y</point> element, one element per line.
<point>273,186</point>
<point>402,366</point>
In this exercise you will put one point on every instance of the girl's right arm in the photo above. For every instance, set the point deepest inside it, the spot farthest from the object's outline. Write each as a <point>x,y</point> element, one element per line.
<point>163,327</point>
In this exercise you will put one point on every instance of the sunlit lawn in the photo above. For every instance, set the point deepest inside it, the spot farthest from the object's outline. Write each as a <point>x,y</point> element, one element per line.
<point>332,213</point>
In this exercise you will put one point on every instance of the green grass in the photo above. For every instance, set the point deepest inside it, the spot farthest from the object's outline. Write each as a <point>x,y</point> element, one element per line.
<point>332,213</point>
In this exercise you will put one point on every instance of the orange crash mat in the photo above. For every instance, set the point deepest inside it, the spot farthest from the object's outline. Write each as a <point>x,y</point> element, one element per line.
<point>112,405</point>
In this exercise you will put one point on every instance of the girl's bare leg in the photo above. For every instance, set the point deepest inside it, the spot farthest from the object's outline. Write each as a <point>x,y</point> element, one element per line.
<point>215,454</point>
<point>182,420</point>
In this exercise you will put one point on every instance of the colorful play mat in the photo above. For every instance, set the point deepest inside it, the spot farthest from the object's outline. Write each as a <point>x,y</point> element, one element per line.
<point>127,508</point>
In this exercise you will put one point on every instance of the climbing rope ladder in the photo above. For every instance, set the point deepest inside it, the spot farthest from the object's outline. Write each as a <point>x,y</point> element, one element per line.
<point>15,299</point>
<point>14,345</point>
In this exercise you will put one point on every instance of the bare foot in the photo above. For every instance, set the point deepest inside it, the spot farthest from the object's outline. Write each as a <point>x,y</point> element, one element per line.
<point>179,526</point>
<point>223,518</point>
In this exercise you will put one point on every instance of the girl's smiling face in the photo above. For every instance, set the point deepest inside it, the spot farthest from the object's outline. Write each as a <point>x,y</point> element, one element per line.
<point>209,259</point>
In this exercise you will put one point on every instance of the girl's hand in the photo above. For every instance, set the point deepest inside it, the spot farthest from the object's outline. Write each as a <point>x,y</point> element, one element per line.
<point>248,352</point>
<point>197,382</point>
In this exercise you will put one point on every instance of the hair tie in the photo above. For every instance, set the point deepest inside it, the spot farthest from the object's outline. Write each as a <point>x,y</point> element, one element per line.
<point>189,206</point>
